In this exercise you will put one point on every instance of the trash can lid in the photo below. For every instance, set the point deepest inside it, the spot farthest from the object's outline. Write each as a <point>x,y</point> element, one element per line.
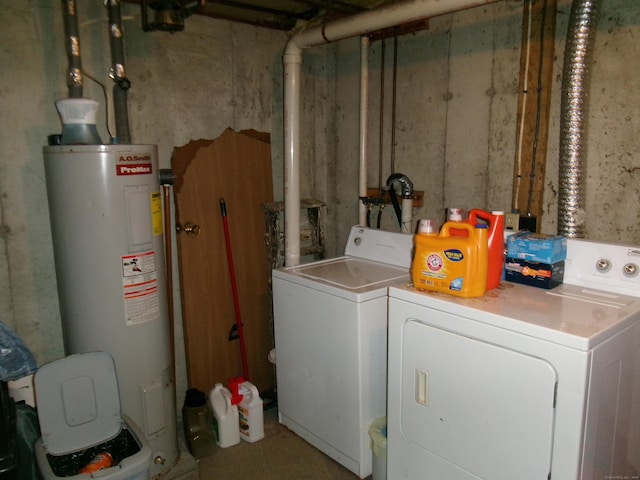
<point>78,402</point>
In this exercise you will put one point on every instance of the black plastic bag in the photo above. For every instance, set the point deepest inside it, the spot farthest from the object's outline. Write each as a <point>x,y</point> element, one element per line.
<point>28,432</point>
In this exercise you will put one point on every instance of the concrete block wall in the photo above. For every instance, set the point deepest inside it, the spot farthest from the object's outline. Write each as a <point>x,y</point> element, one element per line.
<point>455,137</point>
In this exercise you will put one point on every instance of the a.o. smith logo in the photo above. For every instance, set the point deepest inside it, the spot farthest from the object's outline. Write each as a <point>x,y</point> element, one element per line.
<point>134,169</point>
<point>134,158</point>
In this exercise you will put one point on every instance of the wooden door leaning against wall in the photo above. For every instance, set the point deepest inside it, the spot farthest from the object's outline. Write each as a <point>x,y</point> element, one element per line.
<point>237,167</point>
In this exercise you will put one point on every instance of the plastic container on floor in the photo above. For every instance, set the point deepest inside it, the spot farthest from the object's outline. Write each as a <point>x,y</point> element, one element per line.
<point>225,412</point>
<point>378,434</point>
<point>250,411</point>
<point>198,424</point>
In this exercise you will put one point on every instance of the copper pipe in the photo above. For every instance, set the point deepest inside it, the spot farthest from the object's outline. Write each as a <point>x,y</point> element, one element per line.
<point>166,190</point>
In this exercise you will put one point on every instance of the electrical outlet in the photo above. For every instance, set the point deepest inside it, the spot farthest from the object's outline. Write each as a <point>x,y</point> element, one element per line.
<point>512,221</point>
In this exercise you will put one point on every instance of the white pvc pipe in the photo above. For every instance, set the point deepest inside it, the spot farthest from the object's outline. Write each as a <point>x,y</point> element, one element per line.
<point>364,110</point>
<point>407,215</point>
<point>292,66</point>
<point>383,17</point>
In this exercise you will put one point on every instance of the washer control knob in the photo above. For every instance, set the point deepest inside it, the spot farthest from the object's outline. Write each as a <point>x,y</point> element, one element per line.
<point>630,270</point>
<point>357,240</point>
<point>603,265</point>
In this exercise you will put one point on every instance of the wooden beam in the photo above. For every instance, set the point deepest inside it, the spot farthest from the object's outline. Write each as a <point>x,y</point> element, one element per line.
<point>534,101</point>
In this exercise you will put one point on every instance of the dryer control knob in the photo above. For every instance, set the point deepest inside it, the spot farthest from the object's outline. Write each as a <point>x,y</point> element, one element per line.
<point>630,270</point>
<point>603,265</point>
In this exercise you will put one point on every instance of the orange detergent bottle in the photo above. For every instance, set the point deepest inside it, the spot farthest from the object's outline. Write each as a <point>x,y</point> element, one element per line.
<point>452,264</point>
<point>495,222</point>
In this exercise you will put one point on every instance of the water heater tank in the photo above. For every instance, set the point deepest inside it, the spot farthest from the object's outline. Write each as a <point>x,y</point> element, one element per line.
<point>106,219</point>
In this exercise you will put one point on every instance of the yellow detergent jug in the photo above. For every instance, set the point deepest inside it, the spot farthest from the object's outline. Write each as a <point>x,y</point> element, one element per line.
<point>450,263</point>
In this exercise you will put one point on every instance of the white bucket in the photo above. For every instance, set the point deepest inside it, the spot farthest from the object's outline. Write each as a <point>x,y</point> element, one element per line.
<point>378,434</point>
<point>226,416</point>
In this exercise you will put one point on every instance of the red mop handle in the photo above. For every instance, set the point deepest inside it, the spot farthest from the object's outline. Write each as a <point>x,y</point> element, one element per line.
<point>234,289</point>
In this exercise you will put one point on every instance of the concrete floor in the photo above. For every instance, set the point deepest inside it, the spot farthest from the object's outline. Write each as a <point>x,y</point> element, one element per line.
<point>281,455</point>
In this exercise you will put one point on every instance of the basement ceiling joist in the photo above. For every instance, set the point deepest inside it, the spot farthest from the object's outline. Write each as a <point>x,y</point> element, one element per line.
<point>276,14</point>
<point>285,14</point>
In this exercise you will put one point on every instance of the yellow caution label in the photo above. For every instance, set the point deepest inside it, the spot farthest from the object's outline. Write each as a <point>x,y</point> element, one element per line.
<point>156,213</point>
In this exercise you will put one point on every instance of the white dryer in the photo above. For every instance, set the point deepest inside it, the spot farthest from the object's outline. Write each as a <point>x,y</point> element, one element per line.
<point>523,382</point>
<point>330,322</point>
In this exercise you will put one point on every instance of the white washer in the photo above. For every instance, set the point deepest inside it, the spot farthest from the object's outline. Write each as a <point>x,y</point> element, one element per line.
<point>523,382</point>
<point>330,322</point>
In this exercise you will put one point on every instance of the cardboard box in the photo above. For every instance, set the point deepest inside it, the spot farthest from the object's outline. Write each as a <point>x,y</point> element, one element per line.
<point>536,274</point>
<point>537,247</point>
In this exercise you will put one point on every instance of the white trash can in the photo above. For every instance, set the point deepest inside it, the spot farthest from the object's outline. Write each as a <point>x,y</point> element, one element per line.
<point>80,419</point>
<point>378,434</point>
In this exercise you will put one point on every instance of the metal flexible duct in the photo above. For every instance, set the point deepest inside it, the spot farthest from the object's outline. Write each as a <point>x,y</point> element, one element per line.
<point>405,184</point>
<point>72,40</point>
<point>573,116</point>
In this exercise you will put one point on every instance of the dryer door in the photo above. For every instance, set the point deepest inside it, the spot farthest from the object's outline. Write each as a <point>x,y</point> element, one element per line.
<point>485,408</point>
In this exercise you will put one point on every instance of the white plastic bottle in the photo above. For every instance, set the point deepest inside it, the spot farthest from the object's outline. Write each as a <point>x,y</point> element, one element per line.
<point>226,415</point>
<point>251,414</point>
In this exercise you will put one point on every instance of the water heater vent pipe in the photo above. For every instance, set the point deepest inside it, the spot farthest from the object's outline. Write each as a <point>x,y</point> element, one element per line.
<point>388,16</point>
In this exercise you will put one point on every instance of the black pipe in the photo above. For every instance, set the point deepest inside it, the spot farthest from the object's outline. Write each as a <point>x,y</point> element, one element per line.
<point>72,44</point>
<point>166,176</point>
<point>122,83</point>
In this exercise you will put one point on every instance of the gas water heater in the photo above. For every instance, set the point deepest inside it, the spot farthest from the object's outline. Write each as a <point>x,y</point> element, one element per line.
<point>106,219</point>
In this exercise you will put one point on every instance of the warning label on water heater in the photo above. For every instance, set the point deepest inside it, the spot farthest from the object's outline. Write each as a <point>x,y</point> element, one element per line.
<point>140,288</point>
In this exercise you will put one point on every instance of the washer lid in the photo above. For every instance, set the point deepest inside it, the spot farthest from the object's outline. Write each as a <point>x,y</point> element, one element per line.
<point>352,274</point>
<point>78,402</point>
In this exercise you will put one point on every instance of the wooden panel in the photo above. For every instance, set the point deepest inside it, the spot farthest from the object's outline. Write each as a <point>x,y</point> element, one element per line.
<point>536,70</point>
<point>236,167</point>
